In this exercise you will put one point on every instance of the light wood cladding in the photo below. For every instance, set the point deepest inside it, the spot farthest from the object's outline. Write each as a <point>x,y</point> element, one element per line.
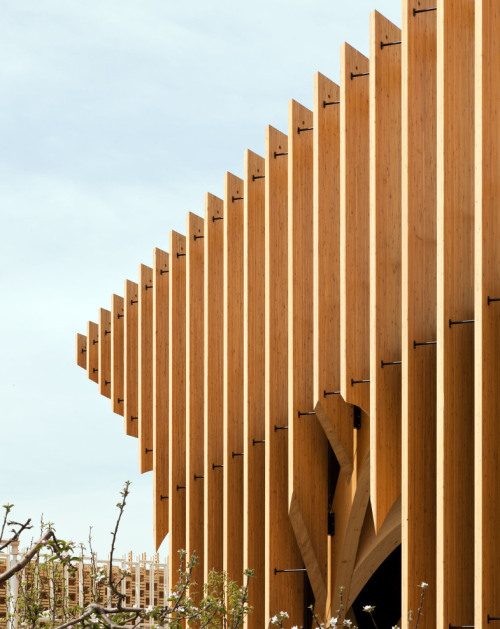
<point>195,227</point>
<point>145,404</point>
<point>233,377</point>
<point>354,228</point>
<point>455,301</point>
<point>213,387</point>
<point>418,219</point>
<point>104,352</point>
<point>131,358</point>
<point>331,410</point>
<point>177,402</point>
<point>283,591</point>
<point>92,353</point>
<point>254,381</point>
<point>117,356</point>
<point>307,445</point>
<point>487,313</point>
<point>385,266</point>
<point>160,394</point>
<point>81,351</point>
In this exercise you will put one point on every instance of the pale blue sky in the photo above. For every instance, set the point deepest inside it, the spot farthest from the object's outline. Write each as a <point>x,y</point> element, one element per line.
<point>116,116</point>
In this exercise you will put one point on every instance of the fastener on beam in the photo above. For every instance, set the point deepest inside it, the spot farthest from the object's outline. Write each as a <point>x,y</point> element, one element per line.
<point>254,441</point>
<point>197,476</point>
<point>389,43</point>
<point>278,154</point>
<point>134,301</point>
<point>233,454</point>
<point>276,428</point>
<point>417,344</point>
<point>180,255</point>
<point>233,199</point>
<point>460,626</point>
<point>162,271</point>
<point>163,497</point>
<point>353,76</point>
<point>120,316</point>
<point>353,382</point>
<point>94,370</point>
<point>148,286</point>
<point>148,450</point>
<point>326,393</point>
<point>106,382</point>
<point>300,129</point>
<point>216,218</point>
<point>254,177</point>
<point>459,322</point>
<point>276,571</point>
<point>331,102</point>
<point>132,417</point>
<point>94,342</point>
<point>214,466</point>
<point>299,413</point>
<point>120,399</point>
<point>84,349</point>
<point>394,362</point>
<point>181,487</point>
<point>197,237</point>
<point>491,299</point>
<point>490,618</point>
<point>106,332</point>
<point>415,11</point>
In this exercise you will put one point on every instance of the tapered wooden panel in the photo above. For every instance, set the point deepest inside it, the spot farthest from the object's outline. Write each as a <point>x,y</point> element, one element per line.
<point>354,228</point>
<point>145,368</point>
<point>418,308</point>
<point>93,351</point>
<point>385,266</point>
<point>105,352</point>
<point>117,354</point>
<point>81,351</point>
<point>254,380</point>
<point>487,312</point>
<point>177,402</point>
<point>194,391</point>
<point>233,376</point>
<point>307,446</point>
<point>131,359</point>
<point>331,410</point>
<point>455,301</point>
<point>284,591</point>
<point>213,387</point>
<point>160,394</point>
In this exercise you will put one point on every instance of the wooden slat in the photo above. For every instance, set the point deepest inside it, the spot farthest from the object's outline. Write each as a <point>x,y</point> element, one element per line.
<point>385,266</point>
<point>284,591</point>
<point>455,301</point>
<point>117,354</point>
<point>331,410</point>
<point>194,391</point>
<point>418,270</point>
<point>307,445</point>
<point>145,368</point>
<point>105,352</point>
<point>354,228</point>
<point>160,394</point>
<point>487,326</point>
<point>93,351</point>
<point>177,402</point>
<point>131,361</point>
<point>213,387</point>
<point>81,351</point>
<point>233,377</point>
<point>254,382</point>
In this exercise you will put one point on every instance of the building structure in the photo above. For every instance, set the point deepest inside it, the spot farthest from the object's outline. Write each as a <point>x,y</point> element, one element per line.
<point>312,371</point>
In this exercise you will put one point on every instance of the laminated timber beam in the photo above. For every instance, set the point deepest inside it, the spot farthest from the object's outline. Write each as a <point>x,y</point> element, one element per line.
<point>254,381</point>
<point>117,357</point>
<point>284,591</point>
<point>131,359</point>
<point>145,421</point>
<point>307,444</point>
<point>104,352</point>
<point>177,402</point>
<point>233,377</point>
<point>81,351</point>
<point>214,385</point>
<point>160,394</point>
<point>354,228</point>
<point>195,226</point>
<point>418,271</point>
<point>331,410</point>
<point>487,312</point>
<point>455,301</point>
<point>92,353</point>
<point>385,267</point>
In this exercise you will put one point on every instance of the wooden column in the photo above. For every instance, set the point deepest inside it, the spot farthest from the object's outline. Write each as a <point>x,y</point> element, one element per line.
<point>418,269</point>
<point>104,352</point>
<point>254,382</point>
<point>194,392</point>
<point>331,410</point>
<point>233,377</point>
<point>117,354</point>
<point>354,228</point>
<point>487,313</point>
<point>177,403</point>
<point>284,591</point>
<point>93,351</point>
<point>145,368</point>
<point>131,353</point>
<point>307,446</point>
<point>385,266</point>
<point>81,351</point>
<point>213,387</point>
<point>160,394</point>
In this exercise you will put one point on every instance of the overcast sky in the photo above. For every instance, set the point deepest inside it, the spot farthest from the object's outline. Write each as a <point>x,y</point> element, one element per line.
<point>116,116</point>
